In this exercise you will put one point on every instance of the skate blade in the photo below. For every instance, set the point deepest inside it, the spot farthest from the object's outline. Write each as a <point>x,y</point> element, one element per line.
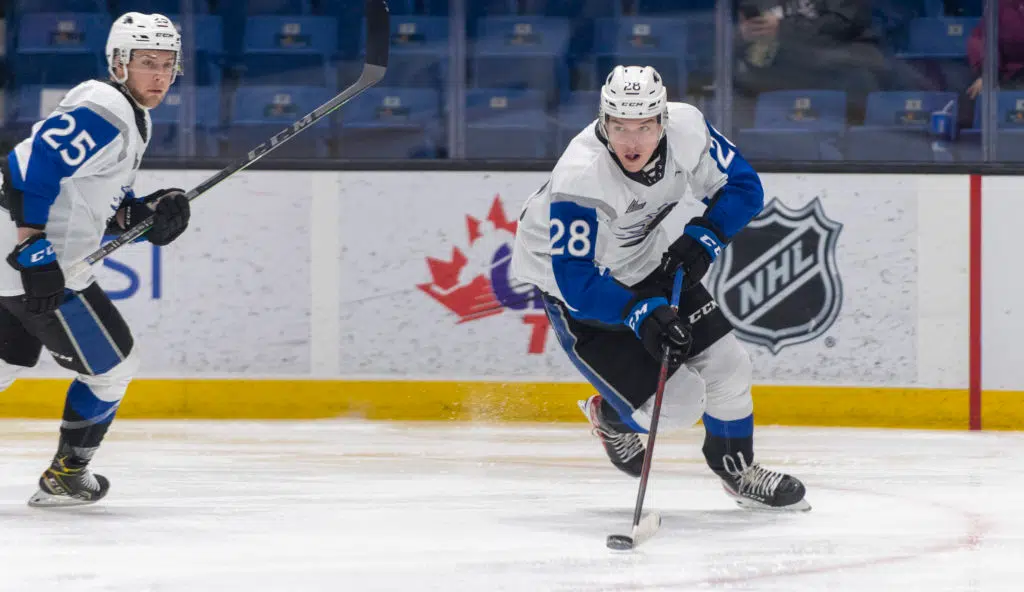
<point>749,504</point>
<point>42,499</point>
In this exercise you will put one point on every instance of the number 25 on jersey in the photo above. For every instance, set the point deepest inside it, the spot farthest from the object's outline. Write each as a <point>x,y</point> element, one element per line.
<point>77,135</point>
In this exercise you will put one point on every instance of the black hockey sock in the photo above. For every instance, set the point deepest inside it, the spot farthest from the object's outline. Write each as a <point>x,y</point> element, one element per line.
<point>728,438</point>
<point>717,448</point>
<point>85,423</point>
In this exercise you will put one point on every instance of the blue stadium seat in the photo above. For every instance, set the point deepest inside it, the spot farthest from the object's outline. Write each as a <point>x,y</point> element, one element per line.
<point>938,38</point>
<point>289,51</point>
<point>674,7</point>
<point>892,18</point>
<point>795,125</point>
<point>419,51</point>
<point>29,105</point>
<point>209,48</point>
<point>261,112</point>
<point>1010,125</point>
<point>403,7</point>
<point>60,48</point>
<point>435,7</point>
<point>391,123</point>
<point>644,41</point>
<point>700,49</point>
<point>576,113</point>
<point>523,53</point>
<point>236,14</point>
<point>479,9</point>
<point>896,127</point>
<point>419,7</point>
<point>506,123</point>
<point>279,7</point>
<point>938,48</point>
<point>28,6</point>
<point>166,127</point>
<point>1010,140</point>
<point>164,7</point>
<point>960,7</point>
<point>585,9</point>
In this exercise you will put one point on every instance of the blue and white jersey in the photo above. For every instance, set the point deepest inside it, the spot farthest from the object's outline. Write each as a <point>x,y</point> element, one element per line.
<point>592,231</point>
<point>71,173</point>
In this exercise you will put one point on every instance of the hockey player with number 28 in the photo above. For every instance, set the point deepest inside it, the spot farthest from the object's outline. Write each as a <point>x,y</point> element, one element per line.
<point>592,239</point>
<point>64,187</point>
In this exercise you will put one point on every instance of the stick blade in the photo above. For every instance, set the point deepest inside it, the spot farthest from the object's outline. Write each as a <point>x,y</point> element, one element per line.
<point>648,526</point>
<point>642,532</point>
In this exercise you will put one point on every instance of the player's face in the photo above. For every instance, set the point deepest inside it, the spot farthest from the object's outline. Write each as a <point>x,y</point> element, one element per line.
<point>633,140</point>
<point>150,72</point>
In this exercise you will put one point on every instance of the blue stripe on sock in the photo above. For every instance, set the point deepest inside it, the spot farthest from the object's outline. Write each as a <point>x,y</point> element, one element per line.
<point>568,343</point>
<point>88,407</point>
<point>737,428</point>
<point>93,343</point>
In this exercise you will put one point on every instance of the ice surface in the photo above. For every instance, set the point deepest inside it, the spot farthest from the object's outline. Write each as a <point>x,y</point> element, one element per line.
<point>342,505</point>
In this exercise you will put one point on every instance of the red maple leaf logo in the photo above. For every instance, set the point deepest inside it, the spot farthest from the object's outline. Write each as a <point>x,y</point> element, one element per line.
<point>472,298</point>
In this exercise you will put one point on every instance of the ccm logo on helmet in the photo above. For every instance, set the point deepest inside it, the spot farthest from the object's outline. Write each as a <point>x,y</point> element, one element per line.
<point>631,103</point>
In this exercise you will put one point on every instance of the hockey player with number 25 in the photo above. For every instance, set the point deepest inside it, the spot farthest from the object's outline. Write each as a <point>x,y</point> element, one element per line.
<point>594,241</point>
<point>64,187</point>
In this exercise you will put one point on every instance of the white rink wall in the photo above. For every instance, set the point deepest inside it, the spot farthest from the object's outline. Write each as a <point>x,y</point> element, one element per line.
<point>237,290</point>
<point>390,276</point>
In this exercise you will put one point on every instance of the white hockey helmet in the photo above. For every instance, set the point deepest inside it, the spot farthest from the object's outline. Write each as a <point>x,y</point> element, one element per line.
<point>633,92</point>
<point>134,30</point>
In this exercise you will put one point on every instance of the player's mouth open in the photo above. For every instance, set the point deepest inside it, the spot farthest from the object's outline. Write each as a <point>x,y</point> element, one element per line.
<point>632,156</point>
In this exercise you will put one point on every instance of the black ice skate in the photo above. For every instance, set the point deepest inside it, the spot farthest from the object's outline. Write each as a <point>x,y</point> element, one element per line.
<point>67,483</point>
<point>624,449</point>
<point>756,488</point>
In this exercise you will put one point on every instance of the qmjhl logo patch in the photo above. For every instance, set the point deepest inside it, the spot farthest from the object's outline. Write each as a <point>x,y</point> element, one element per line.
<point>778,283</point>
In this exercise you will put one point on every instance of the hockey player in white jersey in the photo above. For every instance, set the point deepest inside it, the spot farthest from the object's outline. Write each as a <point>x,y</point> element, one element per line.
<point>592,239</point>
<point>64,187</point>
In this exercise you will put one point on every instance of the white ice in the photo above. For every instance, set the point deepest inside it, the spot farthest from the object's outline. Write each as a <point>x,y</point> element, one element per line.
<point>348,505</point>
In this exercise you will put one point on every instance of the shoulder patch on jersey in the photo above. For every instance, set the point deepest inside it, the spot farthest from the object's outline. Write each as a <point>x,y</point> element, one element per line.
<point>589,202</point>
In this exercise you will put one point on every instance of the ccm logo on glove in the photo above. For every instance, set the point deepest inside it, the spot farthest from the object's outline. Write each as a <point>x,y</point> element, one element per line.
<point>693,252</point>
<point>40,257</point>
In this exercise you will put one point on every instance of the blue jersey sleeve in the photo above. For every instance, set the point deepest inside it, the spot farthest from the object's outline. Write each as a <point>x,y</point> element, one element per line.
<point>589,293</point>
<point>59,148</point>
<point>742,197</point>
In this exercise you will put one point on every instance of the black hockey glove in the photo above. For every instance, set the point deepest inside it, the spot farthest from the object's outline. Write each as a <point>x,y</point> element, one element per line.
<point>40,274</point>
<point>657,326</point>
<point>694,252</point>
<point>170,211</point>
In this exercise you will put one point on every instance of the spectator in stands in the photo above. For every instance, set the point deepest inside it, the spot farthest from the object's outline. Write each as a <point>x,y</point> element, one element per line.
<point>810,44</point>
<point>1010,48</point>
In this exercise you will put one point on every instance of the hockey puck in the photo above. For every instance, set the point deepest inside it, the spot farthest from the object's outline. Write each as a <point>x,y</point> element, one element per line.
<point>619,542</point>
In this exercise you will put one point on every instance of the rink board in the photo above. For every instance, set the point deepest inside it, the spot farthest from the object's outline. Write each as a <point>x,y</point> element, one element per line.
<point>477,402</point>
<point>387,295</point>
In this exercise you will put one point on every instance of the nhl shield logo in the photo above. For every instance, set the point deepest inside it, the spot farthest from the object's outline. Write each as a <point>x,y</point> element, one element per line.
<point>777,283</point>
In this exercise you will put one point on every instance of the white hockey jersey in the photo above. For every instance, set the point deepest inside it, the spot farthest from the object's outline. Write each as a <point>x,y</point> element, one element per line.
<point>71,174</point>
<point>591,231</point>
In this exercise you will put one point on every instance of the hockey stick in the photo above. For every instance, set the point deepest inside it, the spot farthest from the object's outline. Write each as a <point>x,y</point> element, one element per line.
<point>645,529</point>
<point>378,41</point>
